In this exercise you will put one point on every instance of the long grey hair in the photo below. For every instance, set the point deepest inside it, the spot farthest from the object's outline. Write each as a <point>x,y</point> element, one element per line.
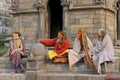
<point>103,33</point>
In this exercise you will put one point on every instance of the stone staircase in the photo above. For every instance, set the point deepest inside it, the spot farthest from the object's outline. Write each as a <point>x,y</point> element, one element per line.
<point>36,63</point>
<point>38,69</point>
<point>62,76</point>
<point>6,71</point>
<point>8,76</point>
<point>5,66</point>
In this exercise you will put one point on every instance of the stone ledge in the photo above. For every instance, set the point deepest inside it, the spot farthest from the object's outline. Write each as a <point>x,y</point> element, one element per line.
<point>6,76</point>
<point>5,63</point>
<point>63,76</point>
<point>38,64</point>
<point>91,7</point>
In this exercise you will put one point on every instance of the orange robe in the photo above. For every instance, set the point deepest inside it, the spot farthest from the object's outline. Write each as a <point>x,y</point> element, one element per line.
<point>60,49</point>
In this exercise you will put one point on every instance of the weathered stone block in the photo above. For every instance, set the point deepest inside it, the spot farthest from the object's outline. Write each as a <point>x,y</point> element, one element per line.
<point>19,77</point>
<point>111,67</point>
<point>37,49</point>
<point>31,75</point>
<point>5,77</point>
<point>35,63</point>
<point>12,77</point>
<point>69,76</point>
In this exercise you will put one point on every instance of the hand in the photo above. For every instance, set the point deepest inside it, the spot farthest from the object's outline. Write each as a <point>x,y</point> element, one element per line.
<point>22,53</point>
<point>37,41</point>
<point>12,52</point>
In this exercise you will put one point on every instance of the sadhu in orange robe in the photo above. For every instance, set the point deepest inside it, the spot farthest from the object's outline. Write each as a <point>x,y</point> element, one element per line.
<point>60,49</point>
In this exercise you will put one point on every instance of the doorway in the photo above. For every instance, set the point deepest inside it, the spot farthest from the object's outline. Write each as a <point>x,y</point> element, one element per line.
<point>118,21</point>
<point>55,17</point>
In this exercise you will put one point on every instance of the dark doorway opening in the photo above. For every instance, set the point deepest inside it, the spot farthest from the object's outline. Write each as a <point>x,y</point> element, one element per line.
<point>118,21</point>
<point>55,13</point>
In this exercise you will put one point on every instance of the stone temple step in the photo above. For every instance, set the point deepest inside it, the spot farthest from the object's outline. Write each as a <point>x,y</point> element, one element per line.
<point>62,76</point>
<point>36,64</point>
<point>64,68</point>
<point>5,66</point>
<point>8,76</point>
<point>5,63</point>
<point>5,71</point>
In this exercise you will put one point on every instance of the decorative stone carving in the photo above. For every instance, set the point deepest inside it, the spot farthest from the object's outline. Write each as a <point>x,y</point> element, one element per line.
<point>65,3</point>
<point>38,6</point>
<point>117,7</point>
<point>14,4</point>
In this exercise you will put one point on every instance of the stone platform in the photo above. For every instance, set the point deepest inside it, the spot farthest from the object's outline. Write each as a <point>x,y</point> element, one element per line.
<point>62,76</point>
<point>37,69</point>
<point>39,64</point>
<point>9,76</point>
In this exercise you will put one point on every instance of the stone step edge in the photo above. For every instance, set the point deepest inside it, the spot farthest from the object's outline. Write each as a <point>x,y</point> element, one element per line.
<point>7,58</point>
<point>35,58</point>
<point>64,74</point>
<point>12,74</point>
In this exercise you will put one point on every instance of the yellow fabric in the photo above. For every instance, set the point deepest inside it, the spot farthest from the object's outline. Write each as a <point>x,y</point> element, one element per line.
<point>52,54</point>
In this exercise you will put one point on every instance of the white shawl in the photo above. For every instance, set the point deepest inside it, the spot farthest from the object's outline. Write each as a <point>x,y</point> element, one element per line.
<point>74,55</point>
<point>103,52</point>
<point>77,46</point>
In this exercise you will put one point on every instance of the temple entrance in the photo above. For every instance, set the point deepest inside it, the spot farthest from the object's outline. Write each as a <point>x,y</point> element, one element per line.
<point>55,13</point>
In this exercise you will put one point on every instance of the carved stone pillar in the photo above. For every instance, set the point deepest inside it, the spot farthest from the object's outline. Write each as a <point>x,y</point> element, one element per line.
<point>42,21</point>
<point>39,7</point>
<point>65,4</point>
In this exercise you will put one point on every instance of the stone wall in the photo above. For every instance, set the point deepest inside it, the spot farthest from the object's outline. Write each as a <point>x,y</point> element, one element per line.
<point>87,14</point>
<point>25,19</point>
<point>27,25</point>
<point>26,4</point>
<point>92,16</point>
<point>5,17</point>
<point>5,8</point>
<point>91,21</point>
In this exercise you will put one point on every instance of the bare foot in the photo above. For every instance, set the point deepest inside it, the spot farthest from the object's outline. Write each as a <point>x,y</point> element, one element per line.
<point>14,71</point>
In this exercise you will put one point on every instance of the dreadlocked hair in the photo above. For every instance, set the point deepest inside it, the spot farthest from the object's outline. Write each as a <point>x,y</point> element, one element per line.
<point>86,49</point>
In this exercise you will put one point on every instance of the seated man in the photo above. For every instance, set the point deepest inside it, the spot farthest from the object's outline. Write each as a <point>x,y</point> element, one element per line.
<point>81,49</point>
<point>61,47</point>
<point>103,51</point>
<point>16,51</point>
